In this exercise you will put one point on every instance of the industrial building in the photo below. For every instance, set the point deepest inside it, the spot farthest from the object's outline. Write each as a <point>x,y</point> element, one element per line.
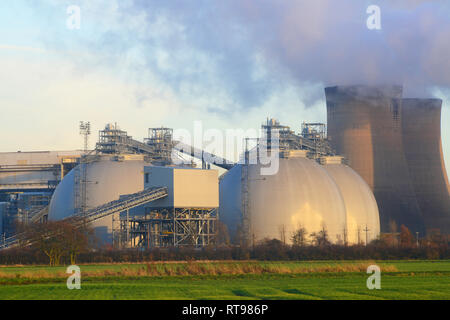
<point>352,178</point>
<point>187,216</point>
<point>27,181</point>
<point>394,144</point>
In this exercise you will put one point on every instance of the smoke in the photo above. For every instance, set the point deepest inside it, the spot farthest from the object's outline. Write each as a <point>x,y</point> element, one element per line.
<point>244,51</point>
<point>328,41</point>
<point>321,41</point>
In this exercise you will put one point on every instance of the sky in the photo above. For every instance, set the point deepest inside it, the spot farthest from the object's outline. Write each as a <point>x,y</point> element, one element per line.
<point>230,64</point>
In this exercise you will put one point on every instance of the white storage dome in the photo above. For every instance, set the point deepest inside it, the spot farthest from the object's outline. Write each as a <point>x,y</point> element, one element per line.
<point>107,180</point>
<point>361,206</point>
<point>300,194</point>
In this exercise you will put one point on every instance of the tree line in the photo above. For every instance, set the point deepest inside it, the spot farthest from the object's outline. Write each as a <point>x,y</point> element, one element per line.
<point>71,242</point>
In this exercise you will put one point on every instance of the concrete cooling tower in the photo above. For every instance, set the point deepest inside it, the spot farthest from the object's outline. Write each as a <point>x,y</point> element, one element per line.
<point>421,119</point>
<point>106,180</point>
<point>395,145</point>
<point>302,193</point>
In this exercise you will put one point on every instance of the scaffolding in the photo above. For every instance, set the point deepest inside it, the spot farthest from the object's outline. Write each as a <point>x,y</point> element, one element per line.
<point>287,137</point>
<point>311,138</point>
<point>112,140</point>
<point>167,227</point>
<point>161,142</point>
<point>314,131</point>
<point>80,198</point>
<point>85,131</point>
<point>157,147</point>
<point>245,205</point>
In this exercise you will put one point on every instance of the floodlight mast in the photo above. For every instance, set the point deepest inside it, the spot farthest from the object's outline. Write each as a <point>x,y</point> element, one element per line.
<point>85,131</point>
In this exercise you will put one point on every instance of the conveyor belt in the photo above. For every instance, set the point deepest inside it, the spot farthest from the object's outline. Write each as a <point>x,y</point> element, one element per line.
<point>203,155</point>
<point>124,203</point>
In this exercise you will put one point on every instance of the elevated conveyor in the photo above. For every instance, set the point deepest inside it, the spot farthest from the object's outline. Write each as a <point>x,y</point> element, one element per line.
<point>38,215</point>
<point>203,155</point>
<point>124,203</point>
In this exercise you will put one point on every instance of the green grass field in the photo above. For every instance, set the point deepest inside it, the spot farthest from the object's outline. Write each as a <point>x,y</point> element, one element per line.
<point>231,280</point>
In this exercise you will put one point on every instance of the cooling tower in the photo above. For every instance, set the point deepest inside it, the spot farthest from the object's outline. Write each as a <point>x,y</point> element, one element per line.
<point>421,126</point>
<point>364,125</point>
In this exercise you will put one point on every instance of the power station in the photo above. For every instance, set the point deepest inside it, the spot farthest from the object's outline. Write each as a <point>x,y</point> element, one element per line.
<point>352,178</point>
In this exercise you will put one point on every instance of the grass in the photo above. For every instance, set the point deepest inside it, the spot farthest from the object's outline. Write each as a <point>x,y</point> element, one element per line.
<point>231,280</point>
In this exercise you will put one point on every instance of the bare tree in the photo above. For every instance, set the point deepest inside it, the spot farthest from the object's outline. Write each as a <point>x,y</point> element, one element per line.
<point>57,239</point>
<point>223,237</point>
<point>299,237</point>
<point>406,237</point>
<point>76,238</point>
<point>321,238</point>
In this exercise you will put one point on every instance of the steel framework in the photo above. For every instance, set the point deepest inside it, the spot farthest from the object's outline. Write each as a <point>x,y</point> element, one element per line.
<point>168,227</point>
<point>160,140</point>
<point>312,138</point>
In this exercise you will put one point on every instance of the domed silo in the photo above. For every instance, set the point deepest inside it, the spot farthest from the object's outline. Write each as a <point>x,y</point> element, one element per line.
<point>301,193</point>
<point>361,207</point>
<point>106,180</point>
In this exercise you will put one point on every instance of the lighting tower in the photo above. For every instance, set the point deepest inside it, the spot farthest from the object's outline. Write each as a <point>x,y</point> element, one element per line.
<point>85,131</point>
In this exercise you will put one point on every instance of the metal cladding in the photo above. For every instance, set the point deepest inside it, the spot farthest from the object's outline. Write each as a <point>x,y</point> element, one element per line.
<point>365,125</point>
<point>187,187</point>
<point>24,171</point>
<point>301,194</point>
<point>422,145</point>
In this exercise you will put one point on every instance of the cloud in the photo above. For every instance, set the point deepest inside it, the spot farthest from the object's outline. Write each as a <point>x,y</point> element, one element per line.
<point>21,48</point>
<point>234,61</point>
<point>249,50</point>
<point>327,41</point>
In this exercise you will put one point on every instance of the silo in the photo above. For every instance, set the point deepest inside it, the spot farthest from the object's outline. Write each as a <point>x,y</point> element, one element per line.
<point>364,125</point>
<point>363,221</point>
<point>106,180</point>
<point>301,193</point>
<point>421,127</point>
